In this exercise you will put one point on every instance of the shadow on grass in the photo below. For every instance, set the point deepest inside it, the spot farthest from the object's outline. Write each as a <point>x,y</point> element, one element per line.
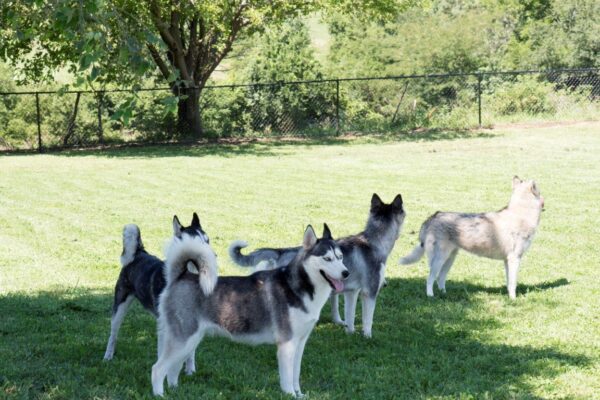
<point>52,345</point>
<point>261,147</point>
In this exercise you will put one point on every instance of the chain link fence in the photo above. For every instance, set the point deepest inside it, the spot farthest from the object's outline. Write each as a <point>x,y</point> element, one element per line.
<point>46,119</point>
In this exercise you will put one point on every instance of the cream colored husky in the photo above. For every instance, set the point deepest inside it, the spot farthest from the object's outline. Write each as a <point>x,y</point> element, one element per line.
<point>502,235</point>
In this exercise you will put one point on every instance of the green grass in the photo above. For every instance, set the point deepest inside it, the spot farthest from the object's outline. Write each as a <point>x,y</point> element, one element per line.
<point>61,217</point>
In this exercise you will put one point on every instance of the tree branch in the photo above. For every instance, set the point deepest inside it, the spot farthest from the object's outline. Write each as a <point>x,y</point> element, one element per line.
<point>192,53</point>
<point>171,38</point>
<point>204,70</point>
<point>162,66</point>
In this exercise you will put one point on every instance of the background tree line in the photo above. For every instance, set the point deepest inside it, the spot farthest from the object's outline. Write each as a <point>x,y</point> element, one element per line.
<point>120,44</point>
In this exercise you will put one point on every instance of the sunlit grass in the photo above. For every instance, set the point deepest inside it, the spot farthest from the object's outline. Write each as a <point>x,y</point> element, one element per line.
<point>61,217</point>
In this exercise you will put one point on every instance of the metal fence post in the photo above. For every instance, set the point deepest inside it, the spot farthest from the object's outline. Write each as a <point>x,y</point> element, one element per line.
<point>39,121</point>
<point>100,131</point>
<point>479,78</point>
<point>337,105</point>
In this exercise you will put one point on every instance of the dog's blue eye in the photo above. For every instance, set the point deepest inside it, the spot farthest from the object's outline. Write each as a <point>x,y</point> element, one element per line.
<point>327,258</point>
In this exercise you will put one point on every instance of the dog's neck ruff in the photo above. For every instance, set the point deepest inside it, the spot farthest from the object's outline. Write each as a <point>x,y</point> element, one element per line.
<point>382,239</point>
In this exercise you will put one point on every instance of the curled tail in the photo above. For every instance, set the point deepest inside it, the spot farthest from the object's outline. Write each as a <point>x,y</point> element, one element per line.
<point>132,243</point>
<point>252,259</point>
<point>192,254</point>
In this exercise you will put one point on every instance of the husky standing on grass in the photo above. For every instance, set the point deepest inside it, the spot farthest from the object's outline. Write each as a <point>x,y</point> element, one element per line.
<point>279,306</point>
<point>502,235</point>
<point>142,277</point>
<point>365,256</point>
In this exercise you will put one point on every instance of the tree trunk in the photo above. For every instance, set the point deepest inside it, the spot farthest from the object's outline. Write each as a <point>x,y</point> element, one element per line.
<point>189,122</point>
<point>72,120</point>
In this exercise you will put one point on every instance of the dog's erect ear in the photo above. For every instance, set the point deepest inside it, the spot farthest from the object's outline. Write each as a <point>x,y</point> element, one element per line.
<point>397,203</point>
<point>376,201</point>
<point>176,226</point>
<point>310,238</point>
<point>516,180</point>
<point>196,221</point>
<point>326,232</point>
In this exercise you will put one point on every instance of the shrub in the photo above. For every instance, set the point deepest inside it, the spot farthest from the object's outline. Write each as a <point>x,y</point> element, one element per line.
<point>526,95</point>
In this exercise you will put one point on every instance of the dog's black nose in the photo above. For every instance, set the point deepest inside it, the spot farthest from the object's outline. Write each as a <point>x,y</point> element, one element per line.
<point>345,274</point>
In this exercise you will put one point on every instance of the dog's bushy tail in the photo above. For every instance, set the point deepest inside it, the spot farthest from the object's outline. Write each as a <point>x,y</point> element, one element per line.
<point>132,243</point>
<point>249,260</point>
<point>415,255</point>
<point>419,249</point>
<point>194,255</point>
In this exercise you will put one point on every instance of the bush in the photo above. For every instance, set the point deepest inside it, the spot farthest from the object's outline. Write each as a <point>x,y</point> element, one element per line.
<point>526,95</point>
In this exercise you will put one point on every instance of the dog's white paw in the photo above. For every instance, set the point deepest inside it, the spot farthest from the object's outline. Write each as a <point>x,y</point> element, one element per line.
<point>339,322</point>
<point>367,334</point>
<point>300,395</point>
<point>349,330</point>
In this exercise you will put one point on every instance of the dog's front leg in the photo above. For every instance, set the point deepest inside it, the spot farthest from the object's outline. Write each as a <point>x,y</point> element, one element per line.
<point>286,352</point>
<point>350,299</point>
<point>368,309</point>
<point>335,310</point>
<point>298,364</point>
<point>512,270</point>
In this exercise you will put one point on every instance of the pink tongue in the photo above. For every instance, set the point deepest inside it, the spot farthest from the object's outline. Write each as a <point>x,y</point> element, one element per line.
<point>339,285</point>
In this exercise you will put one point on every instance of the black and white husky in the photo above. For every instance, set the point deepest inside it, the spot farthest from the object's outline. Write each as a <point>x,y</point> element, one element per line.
<point>279,306</point>
<point>365,256</point>
<point>142,277</point>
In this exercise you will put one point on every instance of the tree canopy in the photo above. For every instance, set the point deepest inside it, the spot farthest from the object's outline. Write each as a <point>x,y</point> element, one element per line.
<point>121,41</point>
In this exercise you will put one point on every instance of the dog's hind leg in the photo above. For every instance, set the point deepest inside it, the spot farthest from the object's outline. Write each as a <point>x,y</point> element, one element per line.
<point>436,260</point>
<point>441,279</point>
<point>190,363</point>
<point>335,310</point>
<point>368,310</point>
<point>123,299</point>
<point>350,299</point>
<point>170,361</point>
<point>286,353</point>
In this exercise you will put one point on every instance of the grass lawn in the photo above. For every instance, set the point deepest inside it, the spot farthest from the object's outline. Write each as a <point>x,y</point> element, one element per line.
<point>61,217</point>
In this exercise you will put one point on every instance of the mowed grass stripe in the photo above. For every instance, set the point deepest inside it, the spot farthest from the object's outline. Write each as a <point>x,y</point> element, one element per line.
<point>61,218</point>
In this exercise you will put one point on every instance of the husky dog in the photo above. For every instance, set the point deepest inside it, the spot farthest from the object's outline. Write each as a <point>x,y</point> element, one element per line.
<point>365,256</point>
<point>279,306</point>
<point>502,235</point>
<point>142,277</point>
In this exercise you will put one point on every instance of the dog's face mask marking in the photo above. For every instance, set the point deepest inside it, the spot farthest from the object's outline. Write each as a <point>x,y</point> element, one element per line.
<point>325,257</point>
<point>526,192</point>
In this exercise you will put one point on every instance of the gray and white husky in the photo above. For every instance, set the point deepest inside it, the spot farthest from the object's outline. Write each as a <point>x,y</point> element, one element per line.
<point>365,256</point>
<point>503,235</point>
<point>142,277</point>
<point>279,306</point>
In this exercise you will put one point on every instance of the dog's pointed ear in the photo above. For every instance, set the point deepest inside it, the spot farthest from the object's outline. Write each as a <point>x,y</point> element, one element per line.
<point>326,232</point>
<point>515,181</point>
<point>376,201</point>
<point>196,221</point>
<point>397,203</point>
<point>310,238</point>
<point>176,226</point>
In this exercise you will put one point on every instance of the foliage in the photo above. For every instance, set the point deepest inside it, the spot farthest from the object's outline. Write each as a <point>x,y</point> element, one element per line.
<point>525,95</point>
<point>124,41</point>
